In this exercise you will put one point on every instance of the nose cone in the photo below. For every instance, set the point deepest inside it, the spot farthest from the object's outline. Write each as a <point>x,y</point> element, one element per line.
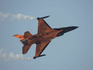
<point>67,29</point>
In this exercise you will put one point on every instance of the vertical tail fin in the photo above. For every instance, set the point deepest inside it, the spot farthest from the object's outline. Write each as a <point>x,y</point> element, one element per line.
<point>27,34</point>
<point>18,36</point>
<point>21,37</point>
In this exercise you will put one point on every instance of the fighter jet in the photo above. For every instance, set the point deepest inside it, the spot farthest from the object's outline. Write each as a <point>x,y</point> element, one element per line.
<point>43,37</point>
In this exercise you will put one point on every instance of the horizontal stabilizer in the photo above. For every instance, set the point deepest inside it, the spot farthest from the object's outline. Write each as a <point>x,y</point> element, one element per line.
<point>27,34</point>
<point>25,48</point>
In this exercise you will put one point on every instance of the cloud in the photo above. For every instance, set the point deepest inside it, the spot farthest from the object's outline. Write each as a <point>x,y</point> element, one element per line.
<point>11,56</point>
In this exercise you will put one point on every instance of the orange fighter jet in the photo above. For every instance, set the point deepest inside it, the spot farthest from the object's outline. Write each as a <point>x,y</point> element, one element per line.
<point>42,38</point>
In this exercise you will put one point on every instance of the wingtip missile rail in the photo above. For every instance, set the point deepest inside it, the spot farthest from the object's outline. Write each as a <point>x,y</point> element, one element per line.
<point>43,17</point>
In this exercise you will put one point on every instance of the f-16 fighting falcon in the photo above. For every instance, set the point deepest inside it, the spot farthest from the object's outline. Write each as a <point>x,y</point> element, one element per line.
<point>43,37</point>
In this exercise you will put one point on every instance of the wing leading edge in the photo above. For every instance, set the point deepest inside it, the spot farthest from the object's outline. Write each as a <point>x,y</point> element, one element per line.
<point>40,46</point>
<point>43,27</point>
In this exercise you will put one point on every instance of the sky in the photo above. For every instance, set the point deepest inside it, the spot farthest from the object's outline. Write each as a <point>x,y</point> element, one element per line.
<point>72,51</point>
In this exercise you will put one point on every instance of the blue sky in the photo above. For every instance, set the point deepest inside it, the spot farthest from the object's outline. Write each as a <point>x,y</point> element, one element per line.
<point>72,51</point>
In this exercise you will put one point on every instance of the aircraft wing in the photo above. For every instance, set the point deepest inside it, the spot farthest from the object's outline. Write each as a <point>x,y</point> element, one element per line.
<point>43,27</point>
<point>40,46</point>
